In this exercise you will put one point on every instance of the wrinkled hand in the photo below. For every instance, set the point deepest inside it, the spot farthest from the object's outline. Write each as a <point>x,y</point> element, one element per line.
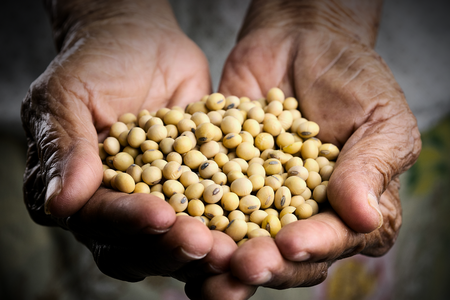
<point>104,69</point>
<point>348,90</point>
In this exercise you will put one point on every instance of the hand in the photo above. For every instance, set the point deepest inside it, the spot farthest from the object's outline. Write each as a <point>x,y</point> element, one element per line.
<point>113,59</point>
<point>344,86</point>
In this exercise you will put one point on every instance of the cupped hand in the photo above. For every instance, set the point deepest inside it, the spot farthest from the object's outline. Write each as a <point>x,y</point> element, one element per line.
<point>121,62</point>
<point>345,87</point>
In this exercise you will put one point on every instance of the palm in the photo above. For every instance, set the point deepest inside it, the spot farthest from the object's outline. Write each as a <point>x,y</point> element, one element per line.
<point>346,88</point>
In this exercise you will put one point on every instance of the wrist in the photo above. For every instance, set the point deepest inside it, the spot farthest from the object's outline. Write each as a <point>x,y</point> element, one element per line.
<point>72,20</point>
<point>355,19</point>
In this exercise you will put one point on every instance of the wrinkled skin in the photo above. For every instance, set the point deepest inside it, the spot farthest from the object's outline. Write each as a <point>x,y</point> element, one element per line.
<point>348,90</point>
<point>94,79</point>
<point>103,72</point>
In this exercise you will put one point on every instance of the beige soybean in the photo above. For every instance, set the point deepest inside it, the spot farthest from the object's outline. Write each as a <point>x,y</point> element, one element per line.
<point>311,165</point>
<point>158,194</point>
<point>218,223</point>
<point>322,161</point>
<point>156,132</point>
<point>299,171</point>
<point>171,187</point>
<point>274,181</point>
<point>141,188</point>
<point>117,128</point>
<point>304,211</point>
<point>179,202</point>
<point>166,145</point>
<point>230,125</point>
<point>108,174</point>
<point>213,193</point>
<point>151,155</point>
<point>290,103</point>
<point>123,138</point>
<point>124,183</point>
<point>295,184</point>
<point>306,194</point>
<point>309,149</point>
<point>156,188</point>
<point>172,170</point>
<point>258,232</point>
<point>195,207</point>
<point>236,229</point>
<point>275,94</point>
<point>215,101</point>
<point>264,141</point>
<point>230,201</point>
<point>256,113</point>
<point>151,175</point>
<point>122,161</point>
<point>205,132</point>
<point>208,168</point>
<point>266,196</point>
<point>209,149</point>
<point>326,172</point>
<point>297,200</point>
<point>245,151</point>
<point>182,144</point>
<point>329,151</point>
<point>231,102</point>
<point>273,166</point>
<point>186,125</point>
<point>136,136</point>
<point>320,193</point>
<point>287,219</point>
<point>111,145</point>
<point>221,159</point>
<point>249,204</point>
<point>257,182</point>
<point>172,117</point>
<point>135,172</point>
<point>314,205</point>
<point>213,210</point>
<point>258,216</point>
<point>241,187</point>
<point>194,191</point>
<point>308,129</point>
<point>220,178</point>
<point>282,198</point>
<point>313,180</point>
<point>149,145</point>
<point>159,163</point>
<point>215,117</point>
<point>272,224</point>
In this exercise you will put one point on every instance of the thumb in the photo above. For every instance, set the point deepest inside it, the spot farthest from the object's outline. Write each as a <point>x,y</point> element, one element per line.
<point>375,154</point>
<point>63,166</point>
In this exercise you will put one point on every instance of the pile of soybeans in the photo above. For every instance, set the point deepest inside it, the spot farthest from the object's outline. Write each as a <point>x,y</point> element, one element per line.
<point>244,167</point>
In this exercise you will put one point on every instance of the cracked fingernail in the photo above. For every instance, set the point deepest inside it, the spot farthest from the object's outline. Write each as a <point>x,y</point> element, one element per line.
<point>373,202</point>
<point>53,190</point>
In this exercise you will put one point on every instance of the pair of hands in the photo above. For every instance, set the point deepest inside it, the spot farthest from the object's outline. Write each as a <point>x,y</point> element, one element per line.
<point>107,68</point>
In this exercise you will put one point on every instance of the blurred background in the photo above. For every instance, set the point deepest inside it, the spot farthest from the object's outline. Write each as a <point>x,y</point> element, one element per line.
<point>47,263</point>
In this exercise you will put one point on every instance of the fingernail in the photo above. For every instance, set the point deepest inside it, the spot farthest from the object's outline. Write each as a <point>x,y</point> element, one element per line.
<point>373,202</point>
<point>183,255</point>
<point>53,189</point>
<point>301,256</point>
<point>261,278</point>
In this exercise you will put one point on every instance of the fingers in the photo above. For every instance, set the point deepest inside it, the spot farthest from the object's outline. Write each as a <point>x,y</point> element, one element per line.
<point>323,237</point>
<point>63,155</point>
<point>259,262</point>
<point>375,154</point>
<point>223,286</point>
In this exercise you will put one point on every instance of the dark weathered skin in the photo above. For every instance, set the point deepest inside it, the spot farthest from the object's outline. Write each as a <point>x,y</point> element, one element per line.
<point>321,52</point>
<point>122,57</point>
<point>127,55</point>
